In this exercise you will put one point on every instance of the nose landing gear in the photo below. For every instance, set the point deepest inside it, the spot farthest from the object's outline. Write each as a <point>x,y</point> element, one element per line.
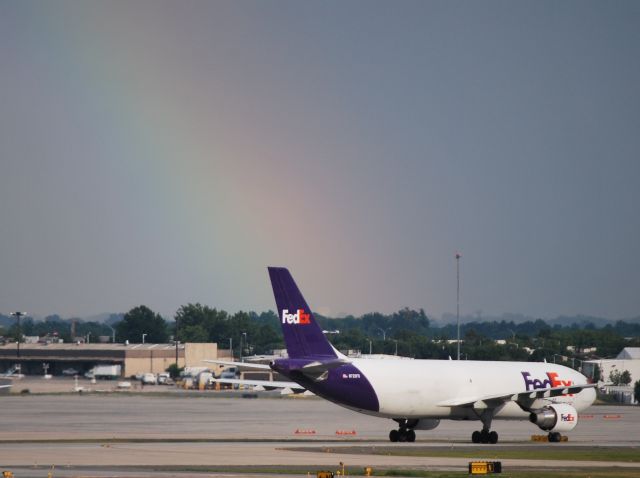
<point>555,437</point>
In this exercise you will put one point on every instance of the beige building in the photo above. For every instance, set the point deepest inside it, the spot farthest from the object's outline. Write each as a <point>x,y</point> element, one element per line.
<point>133,358</point>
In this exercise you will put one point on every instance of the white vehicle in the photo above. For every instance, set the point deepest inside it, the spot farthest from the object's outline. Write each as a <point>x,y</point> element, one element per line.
<point>70,371</point>
<point>149,379</point>
<point>204,379</point>
<point>417,394</point>
<point>230,372</point>
<point>104,371</point>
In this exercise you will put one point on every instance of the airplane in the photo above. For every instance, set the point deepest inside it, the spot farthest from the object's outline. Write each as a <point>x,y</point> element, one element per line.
<point>418,394</point>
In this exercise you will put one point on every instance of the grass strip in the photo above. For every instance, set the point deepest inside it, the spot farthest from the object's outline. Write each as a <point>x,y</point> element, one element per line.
<point>535,452</point>
<point>311,470</point>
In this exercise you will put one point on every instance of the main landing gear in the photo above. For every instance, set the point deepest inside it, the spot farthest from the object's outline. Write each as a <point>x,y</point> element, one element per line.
<point>485,435</point>
<point>405,433</point>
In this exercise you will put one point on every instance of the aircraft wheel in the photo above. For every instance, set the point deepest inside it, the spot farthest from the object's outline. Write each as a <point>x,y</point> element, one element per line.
<point>493,437</point>
<point>411,436</point>
<point>484,436</point>
<point>394,435</point>
<point>475,437</point>
<point>554,437</point>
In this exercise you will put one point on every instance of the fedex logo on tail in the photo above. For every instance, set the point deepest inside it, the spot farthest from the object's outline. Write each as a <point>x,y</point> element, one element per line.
<point>300,317</point>
<point>552,380</point>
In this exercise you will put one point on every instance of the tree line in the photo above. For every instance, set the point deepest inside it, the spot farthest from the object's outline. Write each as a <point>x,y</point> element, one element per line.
<point>406,332</point>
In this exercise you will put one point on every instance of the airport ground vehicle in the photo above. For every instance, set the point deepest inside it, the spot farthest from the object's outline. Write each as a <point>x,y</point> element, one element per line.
<point>108,372</point>
<point>417,394</point>
<point>70,372</point>
<point>231,373</point>
<point>149,379</point>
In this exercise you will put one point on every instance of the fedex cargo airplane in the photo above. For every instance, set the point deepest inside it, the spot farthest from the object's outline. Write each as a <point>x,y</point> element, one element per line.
<point>417,394</point>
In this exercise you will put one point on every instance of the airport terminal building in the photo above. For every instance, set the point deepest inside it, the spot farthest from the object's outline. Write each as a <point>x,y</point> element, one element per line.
<point>133,358</point>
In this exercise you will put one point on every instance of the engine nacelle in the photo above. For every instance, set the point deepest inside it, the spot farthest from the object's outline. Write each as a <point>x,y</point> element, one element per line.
<point>427,424</point>
<point>558,417</point>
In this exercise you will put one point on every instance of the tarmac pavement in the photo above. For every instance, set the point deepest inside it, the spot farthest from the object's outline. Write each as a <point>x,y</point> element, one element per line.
<point>177,429</point>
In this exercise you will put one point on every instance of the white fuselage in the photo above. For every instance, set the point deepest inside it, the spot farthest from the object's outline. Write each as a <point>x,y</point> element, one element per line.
<point>418,388</point>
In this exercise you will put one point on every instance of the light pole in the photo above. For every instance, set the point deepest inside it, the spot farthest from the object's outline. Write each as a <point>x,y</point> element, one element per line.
<point>458,256</point>
<point>384,332</point>
<point>175,338</point>
<point>231,347</point>
<point>513,338</point>
<point>396,341</point>
<point>18,315</point>
<point>143,336</point>
<point>370,346</point>
<point>244,334</point>
<point>113,333</point>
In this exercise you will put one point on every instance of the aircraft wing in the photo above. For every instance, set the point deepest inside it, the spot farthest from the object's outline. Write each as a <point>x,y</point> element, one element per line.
<point>256,366</point>
<point>524,399</point>
<point>262,383</point>
<point>5,386</point>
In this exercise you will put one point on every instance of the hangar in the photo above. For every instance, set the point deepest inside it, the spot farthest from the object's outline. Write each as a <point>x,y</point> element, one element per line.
<point>133,358</point>
<point>627,359</point>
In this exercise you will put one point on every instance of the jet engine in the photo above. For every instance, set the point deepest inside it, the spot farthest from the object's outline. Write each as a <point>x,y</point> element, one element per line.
<point>558,417</point>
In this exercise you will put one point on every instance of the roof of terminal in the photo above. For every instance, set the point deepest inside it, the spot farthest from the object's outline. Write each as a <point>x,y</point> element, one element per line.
<point>102,347</point>
<point>632,353</point>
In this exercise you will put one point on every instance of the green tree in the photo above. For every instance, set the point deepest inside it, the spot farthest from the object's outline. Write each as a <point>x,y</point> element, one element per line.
<point>614,377</point>
<point>201,323</point>
<point>174,370</point>
<point>142,320</point>
<point>617,377</point>
<point>636,391</point>
<point>625,378</point>
<point>193,333</point>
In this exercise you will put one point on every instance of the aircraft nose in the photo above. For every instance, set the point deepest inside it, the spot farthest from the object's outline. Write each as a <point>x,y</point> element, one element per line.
<point>589,396</point>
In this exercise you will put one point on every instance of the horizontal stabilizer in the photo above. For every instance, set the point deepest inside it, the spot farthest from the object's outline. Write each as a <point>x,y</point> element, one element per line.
<point>319,367</point>
<point>260,383</point>
<point>228,363</point>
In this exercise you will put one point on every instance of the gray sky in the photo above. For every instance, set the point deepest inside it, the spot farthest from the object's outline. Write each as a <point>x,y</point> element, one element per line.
<point>163,153</point>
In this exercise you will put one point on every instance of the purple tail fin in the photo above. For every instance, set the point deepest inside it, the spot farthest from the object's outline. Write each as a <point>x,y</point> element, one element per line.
<point>302,335</point>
